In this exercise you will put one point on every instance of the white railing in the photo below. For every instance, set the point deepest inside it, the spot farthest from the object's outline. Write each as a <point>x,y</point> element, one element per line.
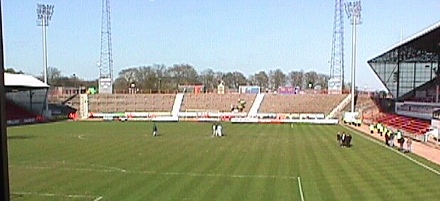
<point>339,107</point>
<point>256,105</point>
<point>177,104</point>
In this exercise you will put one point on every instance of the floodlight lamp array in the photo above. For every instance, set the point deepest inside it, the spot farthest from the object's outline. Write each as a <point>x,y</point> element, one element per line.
<point>44,14</point>
<point>353,10</point>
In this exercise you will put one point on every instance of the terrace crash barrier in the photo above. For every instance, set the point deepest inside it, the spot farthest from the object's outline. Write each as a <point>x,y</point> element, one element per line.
<point>215,117</point>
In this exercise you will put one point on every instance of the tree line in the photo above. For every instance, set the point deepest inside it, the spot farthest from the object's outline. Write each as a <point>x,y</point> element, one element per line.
<point>160,77</point>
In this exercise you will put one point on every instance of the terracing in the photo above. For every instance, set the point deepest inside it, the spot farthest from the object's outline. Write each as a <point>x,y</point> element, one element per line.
<point>131,102</point>
<point>303,103</point>
<point>217,102</point>
<point>71,100</point>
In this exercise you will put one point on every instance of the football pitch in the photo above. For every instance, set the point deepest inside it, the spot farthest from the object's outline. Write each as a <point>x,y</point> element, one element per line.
<point>122,161</point>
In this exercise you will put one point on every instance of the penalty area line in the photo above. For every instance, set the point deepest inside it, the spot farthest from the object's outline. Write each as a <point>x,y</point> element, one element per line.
<point>55,195</point>
<point>98,198</point>
<point>300,189</point>
<point>114,169</point>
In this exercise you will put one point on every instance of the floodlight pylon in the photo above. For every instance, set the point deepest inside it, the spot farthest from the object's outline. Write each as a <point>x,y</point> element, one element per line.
<point>336,81</point>
<point>353,10</point>
<point>105,63</point>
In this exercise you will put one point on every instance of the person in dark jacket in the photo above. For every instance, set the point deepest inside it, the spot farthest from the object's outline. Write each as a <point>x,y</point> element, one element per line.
<point>155,130</point>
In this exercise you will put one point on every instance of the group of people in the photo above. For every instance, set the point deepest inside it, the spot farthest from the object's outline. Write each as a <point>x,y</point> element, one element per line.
<point>344,139</point>
<point>239,107</point>
<point>390,136</point>
<point>217,130</point>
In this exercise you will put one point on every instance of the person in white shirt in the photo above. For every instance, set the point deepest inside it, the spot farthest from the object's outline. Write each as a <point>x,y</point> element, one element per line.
<point>409,144</point>
<point>219,130</point>
<point>214,129</point>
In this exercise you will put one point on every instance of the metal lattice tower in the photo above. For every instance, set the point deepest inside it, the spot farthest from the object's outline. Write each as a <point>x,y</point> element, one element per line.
<point>337,58</point>
<point>105,60</point>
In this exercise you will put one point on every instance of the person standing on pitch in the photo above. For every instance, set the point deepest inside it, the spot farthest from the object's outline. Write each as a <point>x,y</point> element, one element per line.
<point>219,130</point>
<point>214,129</point>
<point>409,144</point>
<point>154,130</point>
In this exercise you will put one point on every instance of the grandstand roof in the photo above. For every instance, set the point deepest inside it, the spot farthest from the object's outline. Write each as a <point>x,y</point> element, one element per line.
<point>409,64</point>
<point>427,40</point>
<point>23,81</point>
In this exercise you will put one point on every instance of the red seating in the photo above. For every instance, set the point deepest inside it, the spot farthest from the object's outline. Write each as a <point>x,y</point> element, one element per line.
<point>408,124</point>
<point>15,112</point>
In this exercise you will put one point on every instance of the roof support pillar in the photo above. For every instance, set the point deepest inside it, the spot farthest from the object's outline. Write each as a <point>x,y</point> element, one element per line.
<point>399,53</point>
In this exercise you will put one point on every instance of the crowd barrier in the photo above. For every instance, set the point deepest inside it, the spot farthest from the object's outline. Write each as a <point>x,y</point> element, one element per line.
<point>211,114</point>
<point>311,121</point>
<point>14,122</point>
<point>214,117</point>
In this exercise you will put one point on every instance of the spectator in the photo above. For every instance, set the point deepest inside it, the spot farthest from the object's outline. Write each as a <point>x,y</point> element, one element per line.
<point>409,144</point>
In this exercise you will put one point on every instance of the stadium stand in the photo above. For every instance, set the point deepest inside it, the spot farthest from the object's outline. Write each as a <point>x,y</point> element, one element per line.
<point>410,72</point>
<point>25,99</point>
<point>304,103</point>
<point>14,112</point>
<point>215,102</point>
<point>64,99</point>
<point>131,102</point>
<point>364,101</point>
<point>408,124</point>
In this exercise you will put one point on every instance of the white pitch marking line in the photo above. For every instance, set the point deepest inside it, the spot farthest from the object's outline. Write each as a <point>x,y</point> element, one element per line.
<point>409,158</point>
<point>98,198</point>
<point>154,172</point>
<point>52,195</point>
<point>300,189</point>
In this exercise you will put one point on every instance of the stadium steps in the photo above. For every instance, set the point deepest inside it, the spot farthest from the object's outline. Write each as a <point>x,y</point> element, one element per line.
<point>69,99</point>
<point>340,107</point>
<point>177,104</point>
<point>256,105</point>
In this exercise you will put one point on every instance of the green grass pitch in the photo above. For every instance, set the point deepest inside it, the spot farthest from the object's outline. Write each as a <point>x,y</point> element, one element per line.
<point>122,161</point>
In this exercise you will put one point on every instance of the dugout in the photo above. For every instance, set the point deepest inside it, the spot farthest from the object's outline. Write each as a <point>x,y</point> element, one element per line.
<point>26,97</point>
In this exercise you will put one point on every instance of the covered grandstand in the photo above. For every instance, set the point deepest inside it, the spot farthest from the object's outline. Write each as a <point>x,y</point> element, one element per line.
<point>25,99</point>
<point>410,71</point>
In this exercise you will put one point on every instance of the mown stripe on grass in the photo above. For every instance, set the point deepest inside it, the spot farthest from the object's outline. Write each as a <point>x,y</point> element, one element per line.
<point>217,162</point>
<point>249,163</point>
<point>317,164</point>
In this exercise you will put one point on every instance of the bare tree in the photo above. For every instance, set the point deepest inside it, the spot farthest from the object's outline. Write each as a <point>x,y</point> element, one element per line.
<point>311,78</point>
<point>209,79</point>
<point>296,78</point>
<point>184,74</point>
<point>277,78</point>
<point>13,71</point>
<point>323,80</point>
<point>53,76</point>
<point>234,79</point>
<point>260,79</point>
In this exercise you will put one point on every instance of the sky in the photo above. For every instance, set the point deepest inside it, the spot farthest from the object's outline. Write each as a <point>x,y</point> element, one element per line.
<point>224,35</point>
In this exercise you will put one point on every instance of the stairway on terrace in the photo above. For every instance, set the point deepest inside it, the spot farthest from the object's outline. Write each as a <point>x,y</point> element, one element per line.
<point>68,99</point>
<point>256,105</point>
